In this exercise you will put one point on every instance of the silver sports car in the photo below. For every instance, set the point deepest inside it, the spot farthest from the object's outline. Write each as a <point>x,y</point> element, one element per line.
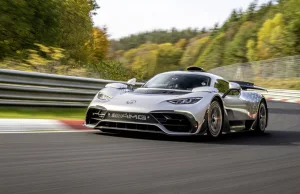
<point>191,102</point>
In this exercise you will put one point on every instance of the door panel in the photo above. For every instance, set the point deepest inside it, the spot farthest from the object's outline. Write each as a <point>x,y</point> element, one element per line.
<point>236,108</point>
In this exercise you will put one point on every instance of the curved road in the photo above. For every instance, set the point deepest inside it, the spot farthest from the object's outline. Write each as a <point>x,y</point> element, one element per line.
<point>97,163</point>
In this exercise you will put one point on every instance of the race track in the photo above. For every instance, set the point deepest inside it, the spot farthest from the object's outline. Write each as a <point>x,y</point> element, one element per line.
<point>89,162</point>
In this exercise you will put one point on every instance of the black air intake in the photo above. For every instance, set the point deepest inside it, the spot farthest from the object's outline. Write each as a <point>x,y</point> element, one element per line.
<point>94,115</point>
<point>174,122</point>
<point>129,126</point>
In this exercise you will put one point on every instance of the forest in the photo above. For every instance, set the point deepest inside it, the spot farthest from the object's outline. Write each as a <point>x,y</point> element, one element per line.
<point>59,37</point>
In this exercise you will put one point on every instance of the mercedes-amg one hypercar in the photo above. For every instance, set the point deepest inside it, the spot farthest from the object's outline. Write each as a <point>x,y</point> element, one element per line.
<point>191,102</point>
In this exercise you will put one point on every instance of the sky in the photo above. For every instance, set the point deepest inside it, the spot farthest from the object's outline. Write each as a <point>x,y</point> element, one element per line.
<point>125,17</point>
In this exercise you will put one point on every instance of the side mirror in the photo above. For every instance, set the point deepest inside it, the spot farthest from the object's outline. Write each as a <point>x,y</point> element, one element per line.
<point>131,82</point>
<point>116,85</point>
<point>232,87</point>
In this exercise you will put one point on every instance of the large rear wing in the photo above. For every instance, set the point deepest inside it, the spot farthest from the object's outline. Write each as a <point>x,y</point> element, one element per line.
<point>248,85</point>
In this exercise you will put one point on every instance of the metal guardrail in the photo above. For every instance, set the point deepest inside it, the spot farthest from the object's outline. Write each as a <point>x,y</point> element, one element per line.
<point>39,89</point>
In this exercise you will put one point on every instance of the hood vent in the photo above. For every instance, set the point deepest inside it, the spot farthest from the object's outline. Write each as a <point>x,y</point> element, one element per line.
<point>161,91</point>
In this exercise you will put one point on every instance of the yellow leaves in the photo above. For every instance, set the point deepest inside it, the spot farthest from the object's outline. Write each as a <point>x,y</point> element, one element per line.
<point>181,43</point>
<point>57,53</point>
<point>32,51</point>
<point>212,54</point>
<point>271,40</point>
<point>203,40</point>
<point>14,64</point>
<point>41,58</point>
<point>97,46</point>
<point>149,59</point>
<point>168,49</point>
<point>143,59</point>
<point>35,59</point>
<point>43,48</point>
<point>44,55</point>
<point>251,54</point>
<point>192,51</point>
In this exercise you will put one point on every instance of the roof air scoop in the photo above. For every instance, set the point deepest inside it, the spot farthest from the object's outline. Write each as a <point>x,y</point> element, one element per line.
<point>194,68</point>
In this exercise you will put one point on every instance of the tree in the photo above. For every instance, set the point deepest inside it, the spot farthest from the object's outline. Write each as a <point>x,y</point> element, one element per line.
<point>141,60</point>
<point>203,30</point>
<point>291,14</point>
<point>63,24</point>
<point>236,50</point>
<point>212,56</point>
<point>271,39</point>
<point>22,23</point>
<point>250,13</point>
<point>112,70</point>
<point>251,50</point>
<point>97,46</point>
<point>168,57</point>
<point>156,36</point>
<point>181,43</point>
<point>192,51</point>
<point>76,27</point>
<point>215,29</point>
<point>234,17</point>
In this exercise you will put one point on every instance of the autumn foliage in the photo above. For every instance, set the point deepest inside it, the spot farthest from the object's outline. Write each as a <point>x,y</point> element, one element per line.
<point>59,37</point>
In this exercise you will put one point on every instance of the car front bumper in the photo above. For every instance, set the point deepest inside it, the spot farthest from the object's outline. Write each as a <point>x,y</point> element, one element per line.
<point>182,123</point>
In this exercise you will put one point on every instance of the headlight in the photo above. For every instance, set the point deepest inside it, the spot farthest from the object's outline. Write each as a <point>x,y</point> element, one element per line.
<point>185,100</point>
<point>102,96</point>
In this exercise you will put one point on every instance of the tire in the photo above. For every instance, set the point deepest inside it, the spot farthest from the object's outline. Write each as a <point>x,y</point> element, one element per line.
<point>261,118</point>
<point>215,120</point>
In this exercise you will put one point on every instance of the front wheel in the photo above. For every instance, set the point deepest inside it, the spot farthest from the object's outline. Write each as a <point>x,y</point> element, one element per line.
<point>215,120</point>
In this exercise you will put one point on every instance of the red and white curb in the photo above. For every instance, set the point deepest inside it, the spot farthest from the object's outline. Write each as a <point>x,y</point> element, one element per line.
<point>284,100</point>
<point>41,125</point>
<point>280,95</point>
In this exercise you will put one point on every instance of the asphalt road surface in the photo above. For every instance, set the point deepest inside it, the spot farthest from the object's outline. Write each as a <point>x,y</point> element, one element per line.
<point>84,163</point>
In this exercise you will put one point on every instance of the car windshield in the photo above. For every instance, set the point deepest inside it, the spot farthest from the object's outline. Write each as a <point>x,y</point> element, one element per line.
<point>178,81</point>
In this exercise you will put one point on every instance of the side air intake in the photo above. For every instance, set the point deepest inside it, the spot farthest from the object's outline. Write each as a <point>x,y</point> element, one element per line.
<point>95,115</point>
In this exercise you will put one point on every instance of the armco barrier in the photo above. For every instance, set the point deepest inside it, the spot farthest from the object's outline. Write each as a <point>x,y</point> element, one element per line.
<point>39,89</point>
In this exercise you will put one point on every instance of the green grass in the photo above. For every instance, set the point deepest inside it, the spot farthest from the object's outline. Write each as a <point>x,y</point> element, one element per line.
<point>42,113</point>
<point>290,84</point>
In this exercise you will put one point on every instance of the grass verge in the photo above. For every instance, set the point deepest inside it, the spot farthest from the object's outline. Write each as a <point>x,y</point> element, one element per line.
<point>42,113</point>
<point>290,84</point>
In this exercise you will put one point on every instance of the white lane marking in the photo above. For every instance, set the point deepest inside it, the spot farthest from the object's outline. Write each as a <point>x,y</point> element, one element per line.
<point>31,124</point>
<point>48,131</point>
<point>295,143</point>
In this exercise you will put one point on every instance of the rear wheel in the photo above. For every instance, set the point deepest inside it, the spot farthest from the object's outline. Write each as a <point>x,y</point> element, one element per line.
<point>261,118</point>
<point>215,120</point>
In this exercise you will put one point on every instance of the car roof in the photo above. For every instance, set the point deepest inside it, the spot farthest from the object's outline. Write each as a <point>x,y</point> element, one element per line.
<point>213,76</point>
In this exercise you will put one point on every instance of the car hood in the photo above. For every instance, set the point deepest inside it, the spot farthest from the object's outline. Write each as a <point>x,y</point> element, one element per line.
<point>142,99</point>
<point>147,101</point>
